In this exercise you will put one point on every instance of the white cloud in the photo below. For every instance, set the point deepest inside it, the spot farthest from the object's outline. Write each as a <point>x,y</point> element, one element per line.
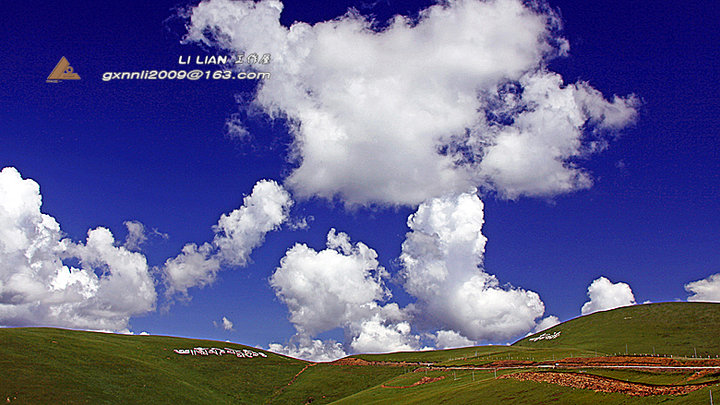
<point>136,235</point>
<point>532,156</point>
<point>546,323</point>
<point>379,334</point>
<point>416,113</point>
<point>707,289</point>
<point>463,93</point>
<point>442,257</point>
<point>605,295</point>
<point>327,289</point>
<point>302,347</point>
<point>377,337</point>
<point>449,339</point>
<point>341,286</point>
<point>225,324</point>
<point>236,235</point>
<point>244,229</point>
<point>37,287</point>
<point>193,267</point>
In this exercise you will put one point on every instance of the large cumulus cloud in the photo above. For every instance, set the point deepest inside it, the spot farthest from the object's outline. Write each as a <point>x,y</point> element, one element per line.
<point>46,279</point>
<point>459,97</point>
<point>418,112</point>
<point>442,267</point>
<point>456,301</point>
<point>341,286</point>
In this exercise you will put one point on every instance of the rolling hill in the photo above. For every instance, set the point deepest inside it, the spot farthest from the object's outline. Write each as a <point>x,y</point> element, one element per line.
<point>672,328</point>
<point>46,365</point>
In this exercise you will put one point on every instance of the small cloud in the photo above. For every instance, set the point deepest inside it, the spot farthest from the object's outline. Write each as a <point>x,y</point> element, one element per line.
<point>605,295</point>
<point>237,234</point>
<point>235,128</point>
<point>225,324</point>
<point>159,234</point>
<point>546,323</point>
<point>136,235</point>
<point>301,223</point>
<point>449,339</point>
<point>707,289</point>
<point>305,348</point>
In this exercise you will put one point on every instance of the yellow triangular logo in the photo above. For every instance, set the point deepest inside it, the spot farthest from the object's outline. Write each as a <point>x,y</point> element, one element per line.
<point>63,71</point>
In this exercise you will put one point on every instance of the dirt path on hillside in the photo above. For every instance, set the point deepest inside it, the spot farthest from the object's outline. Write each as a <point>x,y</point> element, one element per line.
<point>300,372</point>
<point>637,361</point>
<point>605,384</point>
<point>612,361</point>
<point>424,380</point>
<point>278,392</point>
<point>354,361</point>
<point>645,363</point>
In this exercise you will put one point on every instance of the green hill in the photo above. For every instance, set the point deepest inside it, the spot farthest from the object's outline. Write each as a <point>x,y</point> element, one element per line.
<point>673,328</point>
<point>45,365</point>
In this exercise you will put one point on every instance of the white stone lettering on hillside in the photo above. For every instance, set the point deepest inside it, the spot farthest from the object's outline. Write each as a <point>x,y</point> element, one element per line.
<point>546,336</point>
<point>204,351</point>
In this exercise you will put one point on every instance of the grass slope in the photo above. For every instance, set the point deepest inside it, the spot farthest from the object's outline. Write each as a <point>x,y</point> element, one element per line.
<point>460,388</point>
<point>479,355</point>
<point>676,328</point>
<point>670,328</point>
<point>325,383</point>
<point>44,365</point>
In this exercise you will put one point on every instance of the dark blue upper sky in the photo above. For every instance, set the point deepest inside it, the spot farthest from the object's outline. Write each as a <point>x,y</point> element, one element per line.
<point>156,152</point>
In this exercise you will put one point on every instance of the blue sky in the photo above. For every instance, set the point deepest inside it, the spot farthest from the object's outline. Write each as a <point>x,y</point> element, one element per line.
<point>640,208</point>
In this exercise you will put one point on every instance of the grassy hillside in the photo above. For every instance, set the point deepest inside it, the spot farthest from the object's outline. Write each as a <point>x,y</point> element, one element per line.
<point>480,355</point>
<point>462,387</point>
<point>325,383</point>
<point>670,328</point>
<point>43,365</point>
<point>677,328</point>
